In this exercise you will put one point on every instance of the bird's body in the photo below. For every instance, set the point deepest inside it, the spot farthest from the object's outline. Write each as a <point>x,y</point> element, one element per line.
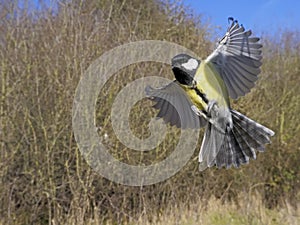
<point>209,83</point>
<point>230,71</point>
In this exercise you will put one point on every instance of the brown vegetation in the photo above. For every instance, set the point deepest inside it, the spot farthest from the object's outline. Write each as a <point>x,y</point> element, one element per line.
<point>44,178</point>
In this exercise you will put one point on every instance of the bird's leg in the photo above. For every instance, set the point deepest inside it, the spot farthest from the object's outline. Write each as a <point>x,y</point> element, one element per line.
<point>199,112</point>
<point>211,115</point>
<point>210,112</point>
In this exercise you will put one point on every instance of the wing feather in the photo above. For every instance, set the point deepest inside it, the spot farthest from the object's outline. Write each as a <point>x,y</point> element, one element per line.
<point>172,101</point>
<point>237,58</point>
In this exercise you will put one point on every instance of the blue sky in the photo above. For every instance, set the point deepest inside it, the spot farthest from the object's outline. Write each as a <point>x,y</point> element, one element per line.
<point>261,16</point>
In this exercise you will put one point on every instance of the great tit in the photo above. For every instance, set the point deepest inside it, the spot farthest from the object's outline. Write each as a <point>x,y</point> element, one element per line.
<point>201,92</point>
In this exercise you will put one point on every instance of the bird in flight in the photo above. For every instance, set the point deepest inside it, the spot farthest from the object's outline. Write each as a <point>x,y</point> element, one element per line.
<point>199,97</point>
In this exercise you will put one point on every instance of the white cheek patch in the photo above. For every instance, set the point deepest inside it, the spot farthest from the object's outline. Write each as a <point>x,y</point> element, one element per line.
<point>191,64</point>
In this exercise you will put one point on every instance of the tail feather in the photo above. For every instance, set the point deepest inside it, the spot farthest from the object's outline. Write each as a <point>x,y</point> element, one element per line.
<point>250,139</point>
<point>247,143</point>
<point>258,132</point>
<point>232,152</point>
<point>245,136</point>
<point>224,156</point>
<point>240,142</point>
<point>237,145</point>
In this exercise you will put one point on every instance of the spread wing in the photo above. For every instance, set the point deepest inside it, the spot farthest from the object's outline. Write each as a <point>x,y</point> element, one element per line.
<point>174,106</point>
<point>237,58</point>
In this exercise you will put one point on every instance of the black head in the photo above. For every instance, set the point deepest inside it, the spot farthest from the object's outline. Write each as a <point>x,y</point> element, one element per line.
<point>184,68</point>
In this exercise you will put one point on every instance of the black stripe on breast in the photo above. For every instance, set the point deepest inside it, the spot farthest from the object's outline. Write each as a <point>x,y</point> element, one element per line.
<point>203,96</point>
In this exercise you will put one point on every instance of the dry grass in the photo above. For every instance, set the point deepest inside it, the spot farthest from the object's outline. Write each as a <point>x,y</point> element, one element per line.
<point>248,210</point>
<point>44,178</point>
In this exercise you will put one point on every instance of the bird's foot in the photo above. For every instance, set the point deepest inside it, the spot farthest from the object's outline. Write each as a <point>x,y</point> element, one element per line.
<point>212,109</point>
<point>207,116</point>
<point>199,112</point>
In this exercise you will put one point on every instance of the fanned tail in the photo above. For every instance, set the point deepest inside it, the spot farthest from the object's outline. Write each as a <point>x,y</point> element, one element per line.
<point>240,142</point>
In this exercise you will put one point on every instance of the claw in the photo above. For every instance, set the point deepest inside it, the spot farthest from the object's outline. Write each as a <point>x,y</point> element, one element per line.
<point>212,108</point>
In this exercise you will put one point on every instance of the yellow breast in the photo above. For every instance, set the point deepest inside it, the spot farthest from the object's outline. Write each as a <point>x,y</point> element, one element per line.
<point>210,83</point>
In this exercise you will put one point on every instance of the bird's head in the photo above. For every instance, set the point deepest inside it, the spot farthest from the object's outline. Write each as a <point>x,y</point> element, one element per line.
<point>184,68</point>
